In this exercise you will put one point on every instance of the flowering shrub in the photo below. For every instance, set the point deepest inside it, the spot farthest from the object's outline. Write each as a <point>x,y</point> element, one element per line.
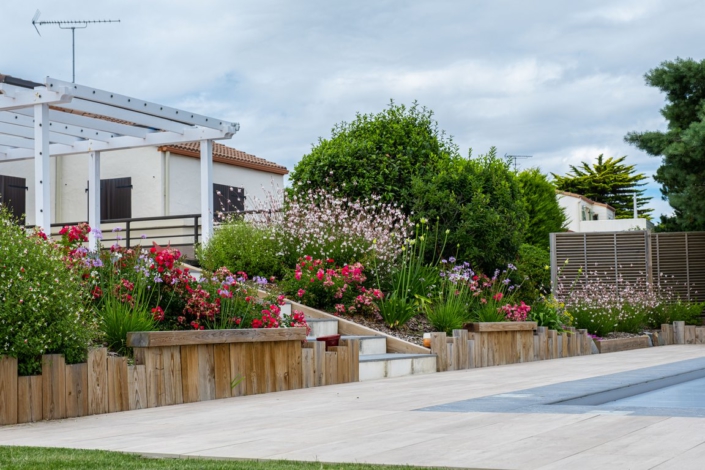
<point>602,305</point>
<point>516,312</point>
<point>325,225</point>
<point>322,284</point>
<point>43,305</point>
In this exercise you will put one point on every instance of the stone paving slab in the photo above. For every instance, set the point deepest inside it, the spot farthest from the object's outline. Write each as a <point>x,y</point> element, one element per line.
<point>378,422</point>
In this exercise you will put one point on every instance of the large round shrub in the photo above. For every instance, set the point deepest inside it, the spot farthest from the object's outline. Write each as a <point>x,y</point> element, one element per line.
<point>377,154</point>
<point>43,306</point>
<point>243,246</point>
<point>545,214</point>
<point>479,202</point>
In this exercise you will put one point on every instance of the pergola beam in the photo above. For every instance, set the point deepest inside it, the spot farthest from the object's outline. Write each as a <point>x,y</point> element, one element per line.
<point>42,175</point>
<point>92,123</point>
<point>12,99</point>
<point>155,139</point>
<point>55,127</point>
<point>28,133</point>
<point>125,115</point>
<point>140,106</point>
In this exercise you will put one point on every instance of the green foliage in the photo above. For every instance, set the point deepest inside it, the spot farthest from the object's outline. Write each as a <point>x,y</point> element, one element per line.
<point>532,272</point>
<point>448,316</point>
<point>608,181</point>
<point>241,246</point>
<point>117,317</point>
<point>544,213</point>
<point>413,279</point>
<point>478,201</point>
<point>43,305</point>
<point>377,154</point>
<point>668,312</point>
<point>682,146</point>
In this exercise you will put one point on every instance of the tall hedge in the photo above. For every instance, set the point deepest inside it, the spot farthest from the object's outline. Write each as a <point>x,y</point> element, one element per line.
<point>377,154</point>
<point>479,202</point>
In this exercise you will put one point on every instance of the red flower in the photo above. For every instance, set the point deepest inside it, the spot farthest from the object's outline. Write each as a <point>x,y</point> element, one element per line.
<point>498,296</point>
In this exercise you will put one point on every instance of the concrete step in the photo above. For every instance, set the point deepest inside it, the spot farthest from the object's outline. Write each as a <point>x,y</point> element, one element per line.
<point>379,366</point>
<point>322,327</point>
<point>368,344</point>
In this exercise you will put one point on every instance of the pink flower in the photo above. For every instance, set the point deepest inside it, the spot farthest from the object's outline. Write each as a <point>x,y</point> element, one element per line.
<point>320,274</point>
<point>301,293</point>
<point>498,296</point>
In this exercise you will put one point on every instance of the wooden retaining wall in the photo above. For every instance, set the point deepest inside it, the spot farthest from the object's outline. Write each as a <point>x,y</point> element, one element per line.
<point>172,368</point>
<point>679,333</point>
<point>494,344</point>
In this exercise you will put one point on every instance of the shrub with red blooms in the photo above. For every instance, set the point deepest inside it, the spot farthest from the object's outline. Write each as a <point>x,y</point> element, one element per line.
<point>516,312</point>
<point>321,284</point>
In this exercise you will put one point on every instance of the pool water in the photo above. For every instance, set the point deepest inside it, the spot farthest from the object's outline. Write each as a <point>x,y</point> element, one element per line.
<point>684,395</point>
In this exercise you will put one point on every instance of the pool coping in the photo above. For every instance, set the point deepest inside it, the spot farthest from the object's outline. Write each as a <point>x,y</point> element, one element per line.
<point>548,398</point>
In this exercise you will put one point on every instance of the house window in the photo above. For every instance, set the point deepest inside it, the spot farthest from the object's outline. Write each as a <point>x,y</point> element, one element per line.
<point>115,198</point>
<point>227,199</point>
<point>13,196</point>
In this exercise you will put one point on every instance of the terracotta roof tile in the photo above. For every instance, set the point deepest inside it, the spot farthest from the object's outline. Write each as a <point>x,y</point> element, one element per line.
<point>229,155</point>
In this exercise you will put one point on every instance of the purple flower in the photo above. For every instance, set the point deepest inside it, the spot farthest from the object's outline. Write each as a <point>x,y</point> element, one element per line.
<point>97,233</point>
<point>117,229</point>
<point>451,259</point>
<point>143,236</point>
<point>97,263</point>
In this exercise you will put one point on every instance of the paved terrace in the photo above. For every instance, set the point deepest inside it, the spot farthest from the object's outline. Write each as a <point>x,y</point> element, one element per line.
<point>375,422</point>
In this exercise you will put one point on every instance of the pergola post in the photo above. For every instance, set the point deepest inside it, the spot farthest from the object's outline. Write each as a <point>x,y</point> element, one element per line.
<point>93,199</point>
<point>42,173</point>
<point>206,190</point>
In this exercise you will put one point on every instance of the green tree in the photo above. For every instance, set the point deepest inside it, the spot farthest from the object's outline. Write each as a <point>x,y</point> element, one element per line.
<point>478,200</point>
<point>544,213</point>
<point>377,154</point>
<point>608,181</point>
<point>682,146</point>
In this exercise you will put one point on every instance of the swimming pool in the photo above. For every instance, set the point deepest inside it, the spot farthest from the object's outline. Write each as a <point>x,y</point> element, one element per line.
<point>675,389</point>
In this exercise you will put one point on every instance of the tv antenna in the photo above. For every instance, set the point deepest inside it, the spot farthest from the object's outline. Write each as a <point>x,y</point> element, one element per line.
<point>73,25</point>
<point>516,157</point>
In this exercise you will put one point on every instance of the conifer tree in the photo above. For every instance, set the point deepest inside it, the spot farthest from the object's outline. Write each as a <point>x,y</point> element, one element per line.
<point>609,181</point>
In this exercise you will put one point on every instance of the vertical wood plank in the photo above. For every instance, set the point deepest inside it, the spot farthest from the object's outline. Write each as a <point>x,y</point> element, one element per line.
<point>294,365</point>
<point>137,386</point>
<point>689,334</point>
<point>118,390</point>
<point>319,367</point>
<point>76,390</point>
<point>679,332</point>
<point>171,388</point>
<point>700,335</point>
<point>29,399</point>
<point>221,360</point>
<point>470,345</point>
<point>54,386</point>
<point>461,346</point>
<point>565,350</point>
<point>238,369</point>
<point>280,352</point>
<point>450,353</point>
<point>354,356</point>
<point>189,374</point>
<point>551,338</point>
<point>537,347</point>
<point>439,348</point>
<point>331,368</point>
<point>8,390</point>
<point>343,364</point>
<point>307,367</point>
<point>97,381</point>
<point>206,373</point>
<point>543,342</point>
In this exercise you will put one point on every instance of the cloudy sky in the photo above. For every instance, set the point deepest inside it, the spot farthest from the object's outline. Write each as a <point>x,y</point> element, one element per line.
<point>562,81</point>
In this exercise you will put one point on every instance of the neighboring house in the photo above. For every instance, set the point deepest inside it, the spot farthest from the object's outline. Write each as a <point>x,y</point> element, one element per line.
<point>586,215</point>
<point>142,182</point>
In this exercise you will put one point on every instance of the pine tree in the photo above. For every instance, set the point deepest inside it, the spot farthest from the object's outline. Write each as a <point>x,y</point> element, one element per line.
<point>682,146</point>
<point>608,181</point>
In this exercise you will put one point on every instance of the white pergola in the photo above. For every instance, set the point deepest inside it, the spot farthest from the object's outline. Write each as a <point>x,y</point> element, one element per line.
<point>61,118</point>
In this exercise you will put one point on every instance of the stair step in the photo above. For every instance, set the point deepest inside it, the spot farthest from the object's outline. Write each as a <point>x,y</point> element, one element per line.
<point>368,344</point>
<point>379,366</point>
<point>322,327</point>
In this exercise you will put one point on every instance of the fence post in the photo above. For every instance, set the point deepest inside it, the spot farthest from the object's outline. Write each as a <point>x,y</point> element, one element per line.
<point>127,234</point>
<point>195,231</point>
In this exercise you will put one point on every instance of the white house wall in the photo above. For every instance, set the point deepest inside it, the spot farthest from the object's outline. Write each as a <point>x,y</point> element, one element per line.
<point>25,169</point>
<point>184,188</point>
<point>149,172</point>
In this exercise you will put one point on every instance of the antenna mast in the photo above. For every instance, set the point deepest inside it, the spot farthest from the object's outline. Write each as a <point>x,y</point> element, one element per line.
<point>73,25</point>
<point>516,157</point>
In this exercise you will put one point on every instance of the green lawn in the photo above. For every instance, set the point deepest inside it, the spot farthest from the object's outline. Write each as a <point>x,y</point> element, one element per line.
<point>55,459</point>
